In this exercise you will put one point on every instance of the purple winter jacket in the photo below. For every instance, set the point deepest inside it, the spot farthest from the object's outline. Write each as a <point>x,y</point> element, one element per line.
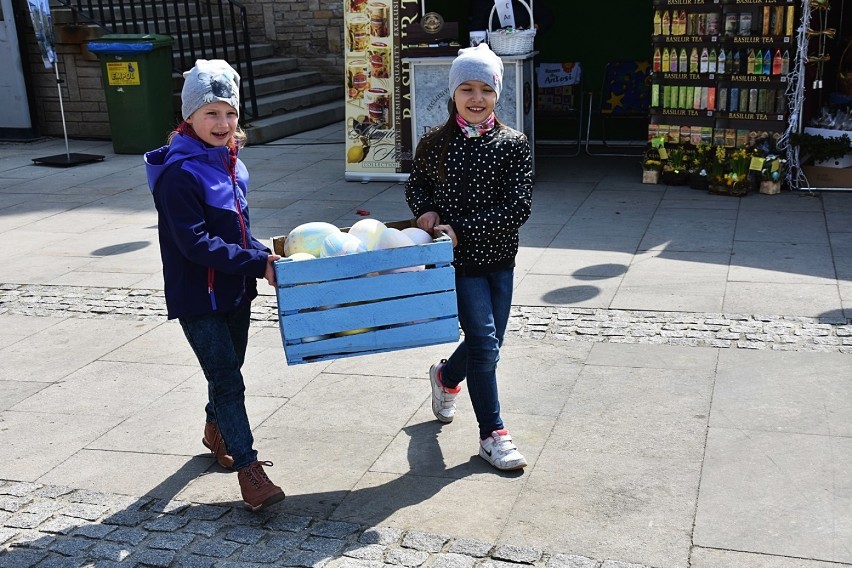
<point>210,259</point>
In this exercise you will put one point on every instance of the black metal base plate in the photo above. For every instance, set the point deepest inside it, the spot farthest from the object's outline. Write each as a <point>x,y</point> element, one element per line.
<point>67,160</point>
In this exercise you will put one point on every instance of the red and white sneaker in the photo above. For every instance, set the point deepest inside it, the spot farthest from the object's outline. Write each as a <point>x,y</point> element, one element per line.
<point>443,399</point>
<point>499,450</point>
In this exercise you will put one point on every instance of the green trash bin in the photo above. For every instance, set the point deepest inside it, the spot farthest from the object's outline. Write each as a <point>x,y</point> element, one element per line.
<point>137,76</point>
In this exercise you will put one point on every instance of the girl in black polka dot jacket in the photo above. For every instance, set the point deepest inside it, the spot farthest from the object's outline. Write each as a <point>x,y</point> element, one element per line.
<point>472,179</point>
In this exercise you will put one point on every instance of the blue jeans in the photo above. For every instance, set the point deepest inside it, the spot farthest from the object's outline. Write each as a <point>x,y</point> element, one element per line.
<point>484,303</point>
<point>219,342</point>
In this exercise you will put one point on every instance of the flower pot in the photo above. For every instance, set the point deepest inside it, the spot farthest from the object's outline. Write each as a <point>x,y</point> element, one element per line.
<point>739,189</point>
<point>650,176</point>
<point>698,181</point>
<point>770,187</point>
<point>675,178</point>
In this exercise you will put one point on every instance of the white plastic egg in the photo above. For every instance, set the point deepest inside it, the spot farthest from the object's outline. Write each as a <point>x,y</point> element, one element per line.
<point>393,238</point>
<point>418,235</point>
<point>301,256</point>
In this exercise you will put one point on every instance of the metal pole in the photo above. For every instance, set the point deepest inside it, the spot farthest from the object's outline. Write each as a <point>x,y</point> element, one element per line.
<point>61,107</point>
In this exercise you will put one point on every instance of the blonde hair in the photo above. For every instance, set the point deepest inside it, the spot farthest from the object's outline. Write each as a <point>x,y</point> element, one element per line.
<point>240,139</point>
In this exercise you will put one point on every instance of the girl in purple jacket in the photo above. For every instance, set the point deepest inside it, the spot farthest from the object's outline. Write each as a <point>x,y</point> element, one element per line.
<point>211,261</point>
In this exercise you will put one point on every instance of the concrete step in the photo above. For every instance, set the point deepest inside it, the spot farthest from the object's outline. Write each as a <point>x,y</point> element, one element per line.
<point>299,98</point>
<point>278,126</point>
<point>185,60</point>
<point>274,66</point>
<point>286,82</point>
<point>272,75</point>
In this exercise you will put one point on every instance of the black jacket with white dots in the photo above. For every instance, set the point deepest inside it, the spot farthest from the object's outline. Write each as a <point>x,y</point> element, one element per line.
<point>485,198</point>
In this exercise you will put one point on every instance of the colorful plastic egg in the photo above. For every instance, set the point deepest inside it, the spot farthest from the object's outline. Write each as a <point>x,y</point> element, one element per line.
<point>340,244</point>
<point>308,237</point>
<point>368,231</point>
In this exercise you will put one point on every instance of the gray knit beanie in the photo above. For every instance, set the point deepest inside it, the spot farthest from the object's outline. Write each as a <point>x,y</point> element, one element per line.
<point>209,81</point>
<point>477,64</point>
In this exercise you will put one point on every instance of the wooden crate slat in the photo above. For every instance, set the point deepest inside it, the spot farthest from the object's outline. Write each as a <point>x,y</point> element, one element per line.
<point>397,311</point>
<point>293,273</point>
<point>365,289</point>
<point>423,334</point>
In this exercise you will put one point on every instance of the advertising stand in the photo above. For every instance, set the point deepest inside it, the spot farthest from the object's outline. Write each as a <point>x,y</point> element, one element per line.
<point>374,106</point>
<point>43,26</point>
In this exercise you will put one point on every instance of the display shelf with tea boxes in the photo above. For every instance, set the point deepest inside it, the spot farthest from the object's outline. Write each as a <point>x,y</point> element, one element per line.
<point>720,70</point>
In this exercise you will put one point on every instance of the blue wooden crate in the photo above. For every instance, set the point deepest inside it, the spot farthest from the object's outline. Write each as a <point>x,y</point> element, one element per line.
<point>330,308</point>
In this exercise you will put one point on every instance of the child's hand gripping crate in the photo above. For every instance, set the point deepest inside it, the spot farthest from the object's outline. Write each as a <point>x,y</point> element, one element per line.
<point>337,307</point>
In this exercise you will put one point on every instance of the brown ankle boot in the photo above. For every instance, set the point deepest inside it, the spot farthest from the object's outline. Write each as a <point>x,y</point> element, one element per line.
<point>213,441</point>
<point>258,491</point>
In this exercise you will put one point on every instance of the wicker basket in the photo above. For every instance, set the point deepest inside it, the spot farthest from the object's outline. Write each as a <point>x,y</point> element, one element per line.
<point>511,42</point>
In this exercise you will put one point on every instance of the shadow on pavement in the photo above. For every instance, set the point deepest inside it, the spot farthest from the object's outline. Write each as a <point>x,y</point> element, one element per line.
<point>59,526</point>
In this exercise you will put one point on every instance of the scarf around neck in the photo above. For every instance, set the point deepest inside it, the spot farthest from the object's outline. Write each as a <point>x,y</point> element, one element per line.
<point>475,130</point>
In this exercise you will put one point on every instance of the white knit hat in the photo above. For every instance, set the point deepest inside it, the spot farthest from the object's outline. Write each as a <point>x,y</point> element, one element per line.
<point>209,81</point>
<point>477,64</point>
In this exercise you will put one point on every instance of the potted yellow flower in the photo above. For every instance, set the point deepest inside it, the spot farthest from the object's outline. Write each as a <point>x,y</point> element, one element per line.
<point>771,174</point>
<point>717,164</point>
<point>651,166</point>
<point>699,166</point>
<point>675,168</point>
<point>736,177</point>
<point>730,171</point>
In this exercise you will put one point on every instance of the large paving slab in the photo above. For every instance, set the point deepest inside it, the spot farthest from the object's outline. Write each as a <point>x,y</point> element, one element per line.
<point>779,493</point>
<point>778,448</point>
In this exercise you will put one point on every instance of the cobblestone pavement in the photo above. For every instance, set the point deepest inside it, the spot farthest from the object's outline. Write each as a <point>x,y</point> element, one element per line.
<point>782,333</point>
<point>50,526</point>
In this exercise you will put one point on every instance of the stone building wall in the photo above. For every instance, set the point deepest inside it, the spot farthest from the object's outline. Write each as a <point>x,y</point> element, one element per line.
<point>310,30</point>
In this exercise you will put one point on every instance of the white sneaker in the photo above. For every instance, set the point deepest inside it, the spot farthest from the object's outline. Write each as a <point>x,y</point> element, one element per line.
<point>499,451</point>
<point>443,399</point>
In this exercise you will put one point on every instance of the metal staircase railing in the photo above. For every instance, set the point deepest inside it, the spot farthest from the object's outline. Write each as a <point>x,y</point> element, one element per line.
<point>207,29</point>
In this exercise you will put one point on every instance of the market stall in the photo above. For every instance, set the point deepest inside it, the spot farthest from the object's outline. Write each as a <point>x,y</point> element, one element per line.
<point>738,97</point>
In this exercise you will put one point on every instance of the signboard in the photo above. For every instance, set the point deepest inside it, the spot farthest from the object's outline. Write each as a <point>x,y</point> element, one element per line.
<point>122,73</point>
<point>378,130</point>
<point>43,28</point>
<point>372,102</point>
<point>15,110</point>
<point>432,95</point>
